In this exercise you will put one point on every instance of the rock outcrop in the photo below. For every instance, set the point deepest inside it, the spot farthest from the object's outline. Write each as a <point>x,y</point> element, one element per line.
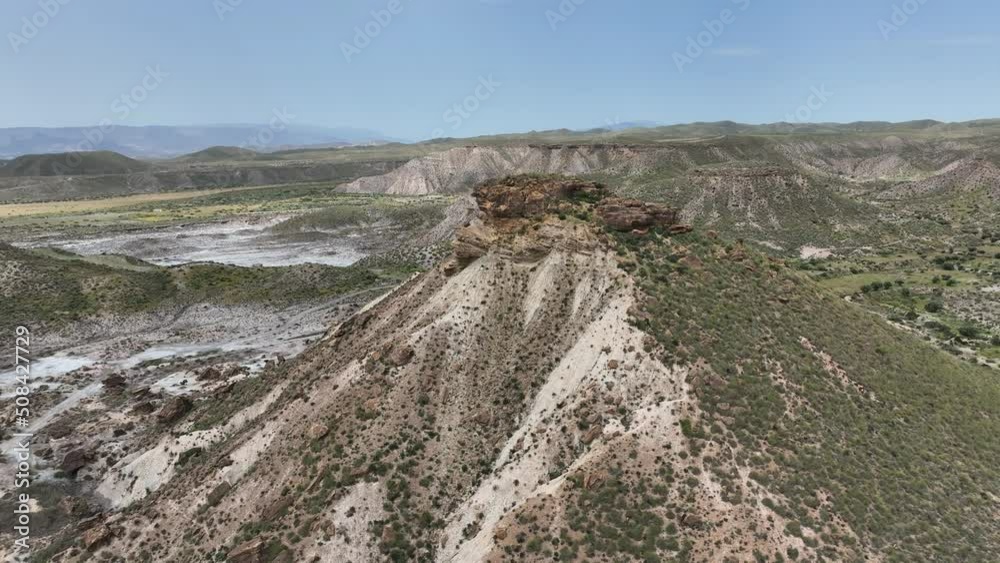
<point>629,214</point>
<point>173,410</point>
<point>529,197</point>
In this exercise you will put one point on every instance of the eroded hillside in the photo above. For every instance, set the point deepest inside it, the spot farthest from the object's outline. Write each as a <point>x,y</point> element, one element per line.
<point>584,378</point>
<point>794,194</point>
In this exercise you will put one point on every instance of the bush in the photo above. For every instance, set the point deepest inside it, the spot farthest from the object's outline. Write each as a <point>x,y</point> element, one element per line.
<point>934,307</point>
<point>969,331</point>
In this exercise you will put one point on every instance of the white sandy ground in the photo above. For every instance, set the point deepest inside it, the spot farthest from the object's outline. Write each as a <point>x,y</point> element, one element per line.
<point>239,242</point>
<point>350,543</point>
<point>141,473</point>
<point>43,371</point>
<point>252,332</point>
<point>814,252</point>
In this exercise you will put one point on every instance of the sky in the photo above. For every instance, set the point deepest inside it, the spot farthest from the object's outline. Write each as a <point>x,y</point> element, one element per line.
<point>417,69</point>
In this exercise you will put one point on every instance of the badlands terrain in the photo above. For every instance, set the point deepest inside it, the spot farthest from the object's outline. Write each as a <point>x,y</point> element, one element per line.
<point>711,342</point>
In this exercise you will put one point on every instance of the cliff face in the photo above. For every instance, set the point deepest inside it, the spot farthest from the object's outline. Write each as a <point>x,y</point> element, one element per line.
<point>458,170</point>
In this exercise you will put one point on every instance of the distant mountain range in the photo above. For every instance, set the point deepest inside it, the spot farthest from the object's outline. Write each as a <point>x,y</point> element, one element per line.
<point>169,141</point>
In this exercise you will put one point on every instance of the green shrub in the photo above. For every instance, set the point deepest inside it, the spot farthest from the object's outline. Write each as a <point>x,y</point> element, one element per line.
<point>969,331</point>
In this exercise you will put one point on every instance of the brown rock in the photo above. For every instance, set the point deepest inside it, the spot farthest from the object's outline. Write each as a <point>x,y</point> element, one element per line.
<point>95,536</point>
<point>211,373</point>
<point>648,343</point>
<point>220,490</point>
<point>592,434</point>
<point>388,534</point>
<point>317,431</point>
<point>593,480</point>
<point>248,552</point>
<point>613,364</point>
<point>693,262</point>
<point>400,355</point>
<point>114,382</point>
<point>521,197</point>
<point>59,429</point>
<point>275,509</point>
<point>680,229</point>
<point>466,252</point>
<point>224,390</point>
<point>483,417</point>
<point>500,534</point>
<point>174,410</point>
<point>626,215</point>
<point>143,407</point>
<point>74,506</point>
<point>692,520</point>
<point>716,381</point>
<point>74,461</point>
<point>451,266</point>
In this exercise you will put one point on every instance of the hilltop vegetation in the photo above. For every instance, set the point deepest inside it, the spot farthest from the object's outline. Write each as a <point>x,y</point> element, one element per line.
<point>824,419</point>
<point>213,154</point>
<point>97,163</point>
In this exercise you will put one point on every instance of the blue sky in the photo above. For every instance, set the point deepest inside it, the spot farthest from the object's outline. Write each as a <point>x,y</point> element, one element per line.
<point>550,63</point>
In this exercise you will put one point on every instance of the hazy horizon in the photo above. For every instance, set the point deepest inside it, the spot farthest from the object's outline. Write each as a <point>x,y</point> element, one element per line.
<point>463,69</point>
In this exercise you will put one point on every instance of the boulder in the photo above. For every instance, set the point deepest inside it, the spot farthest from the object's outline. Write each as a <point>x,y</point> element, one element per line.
<point>692,520</point>
<point>400,355</point>
<point>317,431</point>
<point>276,508</point>
<point>592,434</point>
<point>74,461</point>
<point>95,536</point>
<point>211,373</point>
<point>174,410</point>
<point>74,506</point>
<point>251,551</point>
<point>216,494</point>
<point>114,382</point>
<point>594,480</point>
